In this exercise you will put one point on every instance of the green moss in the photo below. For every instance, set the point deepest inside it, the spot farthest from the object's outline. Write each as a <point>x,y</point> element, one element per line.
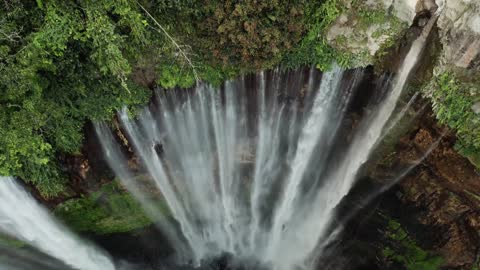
<point>109,210</point>
<point>377,16</point>
<point>10,242</point>
<point>404,250</point>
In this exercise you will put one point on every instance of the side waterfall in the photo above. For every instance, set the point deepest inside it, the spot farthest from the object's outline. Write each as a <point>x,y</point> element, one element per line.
<point>314,224</point>
<point>261,188</point>
<point>22,217</point>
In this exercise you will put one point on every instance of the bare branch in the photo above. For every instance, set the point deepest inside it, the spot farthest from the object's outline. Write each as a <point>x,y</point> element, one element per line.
<point>179,47</point>
<point>12,36</point>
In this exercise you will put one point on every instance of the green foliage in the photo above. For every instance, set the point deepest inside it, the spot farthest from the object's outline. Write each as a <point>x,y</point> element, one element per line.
<point>173,75</point>
<point>313,48</point>
<point>109,210</point>
<point>251,33</point>
<point>64,64</point>
<point>216,75</point>
<point>404,250</point>
<point>453,101</point>
<point>394,31</point>
<point>368,16</point>
<point>225,38</point>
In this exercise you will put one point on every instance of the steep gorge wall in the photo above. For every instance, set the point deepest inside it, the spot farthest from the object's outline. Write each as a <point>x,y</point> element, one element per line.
<point>442,195</point>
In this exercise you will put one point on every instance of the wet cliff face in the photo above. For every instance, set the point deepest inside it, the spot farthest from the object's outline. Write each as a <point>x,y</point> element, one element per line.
<point>443,192</point>
<point>436,203</point>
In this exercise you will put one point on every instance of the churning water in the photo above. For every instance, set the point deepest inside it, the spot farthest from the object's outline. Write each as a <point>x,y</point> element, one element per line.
<point>245,170</point>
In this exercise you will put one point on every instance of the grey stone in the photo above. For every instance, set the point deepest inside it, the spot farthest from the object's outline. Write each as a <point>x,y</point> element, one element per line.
<point>476,107</point>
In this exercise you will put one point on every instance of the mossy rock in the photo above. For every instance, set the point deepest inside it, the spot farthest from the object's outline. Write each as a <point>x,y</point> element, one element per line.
<point>10,242</point>
<point>109,210</point>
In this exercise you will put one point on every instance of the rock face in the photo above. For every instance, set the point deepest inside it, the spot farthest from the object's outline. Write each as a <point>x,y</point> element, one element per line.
<point>405,10</point>
<point>444,191</point>
<point>455,86</point>
<point>367,28</point>
<point>459,26</point>
<point>363,29</point>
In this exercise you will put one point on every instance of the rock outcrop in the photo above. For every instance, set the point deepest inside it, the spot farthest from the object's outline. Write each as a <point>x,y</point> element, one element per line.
<point>365,29</point>
<point>459,26</point>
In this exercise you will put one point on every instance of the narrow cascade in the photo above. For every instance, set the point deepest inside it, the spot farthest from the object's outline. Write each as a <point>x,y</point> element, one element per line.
<point>22,217</point>
<point>250,169</point>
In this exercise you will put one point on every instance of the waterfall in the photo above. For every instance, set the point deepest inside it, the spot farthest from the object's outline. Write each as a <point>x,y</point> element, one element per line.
<point>249,169</point>
<point>246,169</point>
<point>22,217</point>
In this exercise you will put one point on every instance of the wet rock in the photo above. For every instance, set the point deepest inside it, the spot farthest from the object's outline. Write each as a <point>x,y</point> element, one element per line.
<point>145,75</point>
<point>476,107</point>
<point>364,29</point>
<point>444,190</point>
<point>426,5</point>
<point>405,10</point>
<point>459,25</point>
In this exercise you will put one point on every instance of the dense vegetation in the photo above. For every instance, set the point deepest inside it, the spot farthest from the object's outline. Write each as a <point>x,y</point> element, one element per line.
<point>400,248</point>
<point>453,98</point>
<point>63,63</point>
<point>60,65</point>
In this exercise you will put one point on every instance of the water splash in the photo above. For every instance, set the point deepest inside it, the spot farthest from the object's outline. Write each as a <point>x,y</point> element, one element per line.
<point>22,217</point>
